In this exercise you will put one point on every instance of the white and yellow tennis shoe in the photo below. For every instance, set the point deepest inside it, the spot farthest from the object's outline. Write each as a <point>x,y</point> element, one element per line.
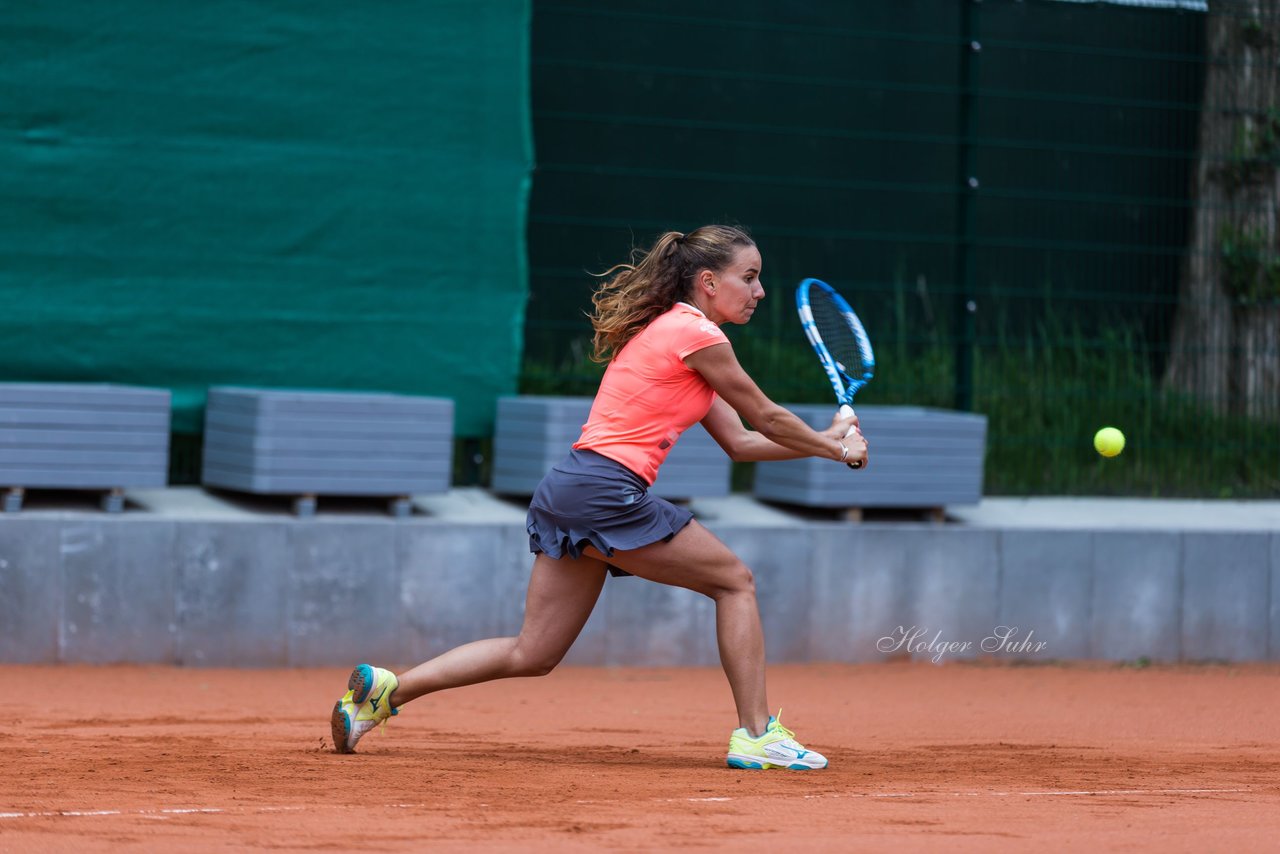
<point>776,748</point>
<point>366,704</point>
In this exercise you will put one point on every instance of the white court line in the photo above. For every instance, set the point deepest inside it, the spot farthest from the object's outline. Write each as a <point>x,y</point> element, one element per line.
<point>1127,792</point>
<point>995,794</point>
<point>165,812</point>
<point>64,812</point>
<point>170,811</point>
<point>152,813</point>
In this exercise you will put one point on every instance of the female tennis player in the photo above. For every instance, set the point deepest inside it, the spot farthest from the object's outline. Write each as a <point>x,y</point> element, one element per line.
<point>657,322</point>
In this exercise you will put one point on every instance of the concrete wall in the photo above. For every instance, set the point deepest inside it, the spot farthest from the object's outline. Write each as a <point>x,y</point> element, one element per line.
<point>85,587</point>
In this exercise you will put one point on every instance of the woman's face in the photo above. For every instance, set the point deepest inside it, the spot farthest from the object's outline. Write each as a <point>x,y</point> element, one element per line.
<point>733,292</point>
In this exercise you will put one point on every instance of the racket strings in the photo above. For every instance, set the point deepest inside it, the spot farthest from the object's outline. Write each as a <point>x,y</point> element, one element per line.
<point>834,329</point>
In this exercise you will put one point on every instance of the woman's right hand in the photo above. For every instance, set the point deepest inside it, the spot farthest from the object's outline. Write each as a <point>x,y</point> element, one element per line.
<point>840,425</point>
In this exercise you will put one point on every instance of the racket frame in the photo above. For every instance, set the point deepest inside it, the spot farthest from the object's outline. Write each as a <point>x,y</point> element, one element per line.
<point>842,382</point>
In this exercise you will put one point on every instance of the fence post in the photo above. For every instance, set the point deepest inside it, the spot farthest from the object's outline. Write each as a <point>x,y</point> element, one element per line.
<point>966,306</point>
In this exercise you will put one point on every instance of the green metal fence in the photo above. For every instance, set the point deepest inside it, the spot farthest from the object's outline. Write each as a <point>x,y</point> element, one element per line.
<point>1011,192</point>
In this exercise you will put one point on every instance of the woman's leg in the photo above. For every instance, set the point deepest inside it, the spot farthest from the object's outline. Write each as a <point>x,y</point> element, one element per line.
<point>695,558</point>
<point>559,601</point>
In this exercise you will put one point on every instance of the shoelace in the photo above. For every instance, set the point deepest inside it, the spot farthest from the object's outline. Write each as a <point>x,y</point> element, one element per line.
<point>781,730</point>
<point>382,724</point>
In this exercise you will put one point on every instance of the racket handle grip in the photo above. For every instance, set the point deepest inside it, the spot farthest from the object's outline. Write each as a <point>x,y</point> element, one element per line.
<point>846,411</point>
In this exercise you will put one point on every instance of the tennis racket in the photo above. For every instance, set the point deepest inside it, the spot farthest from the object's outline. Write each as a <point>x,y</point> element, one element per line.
<point>839,340</point>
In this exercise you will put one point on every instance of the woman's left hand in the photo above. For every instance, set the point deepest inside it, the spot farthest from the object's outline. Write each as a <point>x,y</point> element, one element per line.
<point>845,429</point>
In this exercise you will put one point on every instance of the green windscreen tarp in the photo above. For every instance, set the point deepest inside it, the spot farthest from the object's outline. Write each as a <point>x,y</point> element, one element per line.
<point>284,194</point>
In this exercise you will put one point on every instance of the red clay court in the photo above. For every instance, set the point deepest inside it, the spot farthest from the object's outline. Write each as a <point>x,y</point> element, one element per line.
<point>958,757</point>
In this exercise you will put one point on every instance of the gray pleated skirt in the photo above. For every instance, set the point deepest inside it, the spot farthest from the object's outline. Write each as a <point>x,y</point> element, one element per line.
<point>589,499</point>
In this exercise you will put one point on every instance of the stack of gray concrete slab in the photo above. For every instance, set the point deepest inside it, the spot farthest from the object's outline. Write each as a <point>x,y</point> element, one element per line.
<point>920,458</point>
<point>310,443</point>
<point>534,433</point>
<point>82,436</point>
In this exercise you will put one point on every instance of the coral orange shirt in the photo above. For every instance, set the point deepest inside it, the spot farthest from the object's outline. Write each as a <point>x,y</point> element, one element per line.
<point>649,396</point>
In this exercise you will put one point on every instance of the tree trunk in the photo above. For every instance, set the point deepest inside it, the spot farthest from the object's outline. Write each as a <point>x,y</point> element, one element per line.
<point>1258,330</point>
<point>1226,338</point>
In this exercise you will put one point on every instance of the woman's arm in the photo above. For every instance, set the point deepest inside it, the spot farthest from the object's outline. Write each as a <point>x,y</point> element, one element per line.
<point>750,446</point>
<point>776,425</point>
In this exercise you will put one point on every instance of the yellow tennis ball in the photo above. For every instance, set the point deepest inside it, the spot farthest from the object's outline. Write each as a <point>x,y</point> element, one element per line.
<point>1109,441</point>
